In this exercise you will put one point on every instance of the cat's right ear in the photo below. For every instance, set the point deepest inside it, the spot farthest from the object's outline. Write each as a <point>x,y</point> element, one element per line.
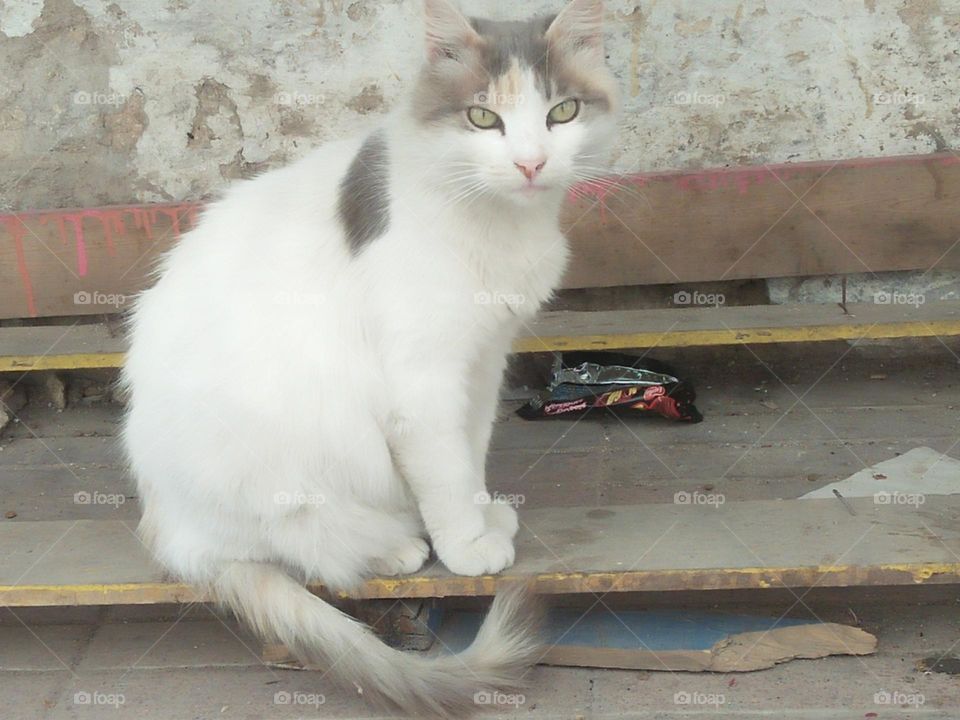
<point>448,31</point>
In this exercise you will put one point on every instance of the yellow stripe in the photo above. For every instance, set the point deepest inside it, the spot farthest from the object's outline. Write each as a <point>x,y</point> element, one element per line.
<point>704,579</point>
<point>84,361</point>
<point>609,341</point>
<point>735,336</point>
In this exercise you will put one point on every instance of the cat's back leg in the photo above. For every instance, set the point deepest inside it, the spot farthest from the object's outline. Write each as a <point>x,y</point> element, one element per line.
<point>343,541</point>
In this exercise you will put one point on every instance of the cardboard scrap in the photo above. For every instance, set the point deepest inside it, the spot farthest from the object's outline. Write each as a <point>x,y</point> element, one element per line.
<point>691,641</point>
<point>780,645</point>
<point>921,471</point>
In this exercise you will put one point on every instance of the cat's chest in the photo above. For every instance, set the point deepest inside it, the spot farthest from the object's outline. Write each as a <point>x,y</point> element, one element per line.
<point>522,274</point>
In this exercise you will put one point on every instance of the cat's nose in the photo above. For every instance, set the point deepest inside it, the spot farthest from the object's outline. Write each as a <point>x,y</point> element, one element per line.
<point>530,168</point>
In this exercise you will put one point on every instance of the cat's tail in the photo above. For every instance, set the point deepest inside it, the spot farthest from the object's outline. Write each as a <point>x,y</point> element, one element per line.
<point>280,609</point>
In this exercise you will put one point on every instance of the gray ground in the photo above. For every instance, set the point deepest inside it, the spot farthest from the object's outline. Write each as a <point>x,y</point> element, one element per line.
<point>776,427</point>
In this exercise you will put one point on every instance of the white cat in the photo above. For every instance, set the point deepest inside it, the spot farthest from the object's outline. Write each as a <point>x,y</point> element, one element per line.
<point>313,379</point>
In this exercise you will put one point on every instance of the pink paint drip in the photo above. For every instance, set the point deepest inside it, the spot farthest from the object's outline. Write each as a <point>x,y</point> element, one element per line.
<point>17,231</point>
<point>112,221</point>
<point>76,219</point>
<point>79,242</point>
<point>144,219</point>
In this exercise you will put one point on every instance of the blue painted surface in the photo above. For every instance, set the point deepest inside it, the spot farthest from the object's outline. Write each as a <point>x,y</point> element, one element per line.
<point>662,630</point>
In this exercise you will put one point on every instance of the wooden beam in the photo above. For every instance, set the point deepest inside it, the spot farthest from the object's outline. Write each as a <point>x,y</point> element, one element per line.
<point>83,261</point>
<point>757,324</point>
<point>61,347</point>
<point>683,546</point>
<point>821,218</point>
<point>97,346</point>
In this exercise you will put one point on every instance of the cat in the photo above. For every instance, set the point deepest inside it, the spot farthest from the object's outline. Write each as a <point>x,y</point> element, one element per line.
<point>313,378</point>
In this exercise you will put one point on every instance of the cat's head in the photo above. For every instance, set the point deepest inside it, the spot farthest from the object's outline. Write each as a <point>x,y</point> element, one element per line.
<point>516,110</point>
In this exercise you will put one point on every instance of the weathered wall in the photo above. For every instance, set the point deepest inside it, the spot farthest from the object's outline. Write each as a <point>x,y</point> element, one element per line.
<point>107,101</point>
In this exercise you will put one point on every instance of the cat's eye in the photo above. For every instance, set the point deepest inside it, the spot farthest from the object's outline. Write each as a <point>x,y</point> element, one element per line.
<point>483,118</point>
<point>563,112</point>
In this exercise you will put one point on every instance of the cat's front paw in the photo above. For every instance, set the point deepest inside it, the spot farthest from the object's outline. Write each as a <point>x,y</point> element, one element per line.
<point>502,518</point>
<point>490,553</point>
<point>404,560</point>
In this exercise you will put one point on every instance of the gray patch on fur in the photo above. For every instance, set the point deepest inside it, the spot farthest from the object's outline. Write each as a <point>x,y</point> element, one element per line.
<point>448,88</point>
<point>524,40</point>
<point>364,201</point>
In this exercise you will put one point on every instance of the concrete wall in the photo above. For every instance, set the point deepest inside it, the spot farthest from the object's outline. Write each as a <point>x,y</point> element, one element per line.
<point>108,101</point>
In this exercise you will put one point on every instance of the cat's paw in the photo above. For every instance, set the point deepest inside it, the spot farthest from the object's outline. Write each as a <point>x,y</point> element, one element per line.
<point>502,518</point>
<point>490,553</point>
<point>404,560</point>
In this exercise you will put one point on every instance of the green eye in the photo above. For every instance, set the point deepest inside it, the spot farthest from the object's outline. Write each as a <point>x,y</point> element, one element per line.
<point>483,118</point>
<point>564,112</point>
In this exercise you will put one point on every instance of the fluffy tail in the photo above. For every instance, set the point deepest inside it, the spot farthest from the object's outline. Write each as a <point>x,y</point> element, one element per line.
<point>280,609</point>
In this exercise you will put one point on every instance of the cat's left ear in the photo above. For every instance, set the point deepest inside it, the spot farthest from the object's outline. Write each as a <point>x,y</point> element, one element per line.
<point>448,31</point>
<point>579,26</point>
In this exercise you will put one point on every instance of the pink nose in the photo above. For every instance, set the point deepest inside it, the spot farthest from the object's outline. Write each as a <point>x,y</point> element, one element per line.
<point>530,168</point>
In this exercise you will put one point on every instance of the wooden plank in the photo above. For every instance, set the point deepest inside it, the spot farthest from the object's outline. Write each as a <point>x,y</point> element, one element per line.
<point>763,544</point>
<point>705,326</point>
<point>819,218</point>
<point>83,261</point>
<point>873,214</point>
<point>61,347</point>
<point>96,346</point>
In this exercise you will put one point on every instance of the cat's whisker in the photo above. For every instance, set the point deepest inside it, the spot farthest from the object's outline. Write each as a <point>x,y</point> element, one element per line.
<point>615,185</point>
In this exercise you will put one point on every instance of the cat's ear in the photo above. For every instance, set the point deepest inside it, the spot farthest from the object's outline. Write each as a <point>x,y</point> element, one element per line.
<point>448,31</point>
<point>579,26</point>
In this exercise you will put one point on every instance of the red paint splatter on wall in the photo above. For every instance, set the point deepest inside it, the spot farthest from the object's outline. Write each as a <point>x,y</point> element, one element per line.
<point>70,228</point>
<point>741,178</point>
<point>17,230</point>
<point>76,219</point>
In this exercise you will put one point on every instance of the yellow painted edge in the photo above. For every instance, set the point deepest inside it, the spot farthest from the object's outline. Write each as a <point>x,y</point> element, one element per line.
<point>158,592</point>
<point>548,343</point>
<point>82,361</point>
<point>735,336</point>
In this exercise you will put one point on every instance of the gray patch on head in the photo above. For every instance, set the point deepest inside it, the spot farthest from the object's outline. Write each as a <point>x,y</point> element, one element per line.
<point>524,40</point>
<point>363,205</point>
<point>451,88</point>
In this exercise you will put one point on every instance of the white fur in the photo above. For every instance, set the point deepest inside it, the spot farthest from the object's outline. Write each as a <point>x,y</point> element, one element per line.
<point>294,405</point>
<point>268,364</point>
